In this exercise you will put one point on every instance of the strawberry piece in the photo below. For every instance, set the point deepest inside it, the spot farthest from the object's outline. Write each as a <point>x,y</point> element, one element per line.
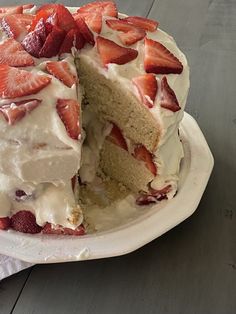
<point>11,10</point>
<point>25,221</point>
<point>147,88</point>
<point>158,59</point>
<point>85,31</point>
<point>15,111</point>
<point>117,138</point>
<point>92,19</point>
<point>61,15</point>
<point>142,22</point>
<point>110,52</point>
<point>60,230</point>
<point>42,15</point>
<point>154,196</point>
<point>168,97</point>
<point>65,19</point>
<point>4,223</point>
<point>105,8</point>
<point>68,110</point>
<point>61,70</point>
<point>13,27</point>
<point>130,35</point>
<point>32,43</point>
<point>53,43</point>
<point>25,19</point>
<point>73,39</point>
<point>13,54</point>
<point>141,153</point>
<point>16,83</point>
<point>28,6</point>
<point>40,30</point>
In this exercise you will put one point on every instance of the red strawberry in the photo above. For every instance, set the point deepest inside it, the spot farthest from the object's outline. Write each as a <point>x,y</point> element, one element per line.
<point>117,138</point>
<point>73,39</point>
<point>106,8</point>
<point>13,28</point>
<point>93,20</point>
<point>141,153</point>
<point>147,88</point>
<point>16,83</point>
<point>42,15</point>
<point>32,43</point>
<point>24,221</point>
<point>4,223</point>
<point>25,19</point>
<point>85,31</point>
<point>28,6</point>
<point>68,110</point>
<point>158,59</point>
<point>53,43</point>
<point>40,30</point>
<point>61,70</point>
<point>13,54</point>
<point>65,19</point>
<point>110,52</point>
<point>59,230</point>
<point>11,10</point>
<point>142,22</point>
<point>168,97</point>
<point>130,35</point>
<point>154,196</point>
<point>15,111</point>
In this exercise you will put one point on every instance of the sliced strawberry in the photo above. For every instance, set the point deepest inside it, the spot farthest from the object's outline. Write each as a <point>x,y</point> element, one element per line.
<point>73,182</point>
<point>92,19</point>
<point>153,196</point>
<point>61,70</point>
<point>16,83</point>
<point>68,110</point>
<point>65,19</point>
<point>13,28</point>
<point>28,6</point>
<point>32,43</point>
<point>25,221</point>
<point>141,153</point>
<point>142,22</point>
<point>158,59</point>
<point>12,10</point>
<point>53,43</point>
<point>168,98</point>
<point>42,15</point>
<point>73,39</point>
<point>117,138</point>
<point>85,31</point>
<point>59,230</point>
<point>4,223</point>
<point>130,35</point>
<point>25,19</point>
<point>147,88</point>
<point>15,111</point>
<point>13,54</point>
<point>40,30</point>
<point>110,52</point>
<point>106,8</point>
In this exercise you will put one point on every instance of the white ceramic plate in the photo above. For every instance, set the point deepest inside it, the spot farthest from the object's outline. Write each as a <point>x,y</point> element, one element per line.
<point>156,220</point>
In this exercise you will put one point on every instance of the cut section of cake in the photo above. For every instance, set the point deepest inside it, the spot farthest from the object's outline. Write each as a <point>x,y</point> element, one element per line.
<point>128,78</point>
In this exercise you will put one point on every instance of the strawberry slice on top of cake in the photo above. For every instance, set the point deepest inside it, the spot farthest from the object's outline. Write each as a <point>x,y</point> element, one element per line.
<point>74,77</point>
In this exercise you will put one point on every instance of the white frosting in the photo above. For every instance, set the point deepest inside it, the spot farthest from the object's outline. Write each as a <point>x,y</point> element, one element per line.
<point>38,157</point>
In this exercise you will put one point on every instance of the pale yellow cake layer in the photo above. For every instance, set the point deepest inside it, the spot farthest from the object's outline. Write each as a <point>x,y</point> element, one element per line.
<point>120,165</point>
<point>113,102</point>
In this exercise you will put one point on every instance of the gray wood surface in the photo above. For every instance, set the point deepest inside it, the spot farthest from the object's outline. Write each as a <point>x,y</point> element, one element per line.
<point>192,268</point>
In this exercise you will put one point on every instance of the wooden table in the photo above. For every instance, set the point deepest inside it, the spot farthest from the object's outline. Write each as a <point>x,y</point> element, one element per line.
<point>192,268</point>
